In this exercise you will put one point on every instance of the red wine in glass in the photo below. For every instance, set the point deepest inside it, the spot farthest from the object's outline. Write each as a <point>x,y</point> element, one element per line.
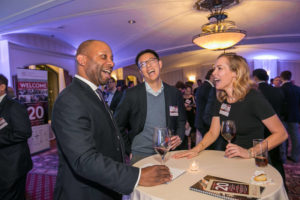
<point>161,142</point>
<point>228,130</point>
<point>162,151</point>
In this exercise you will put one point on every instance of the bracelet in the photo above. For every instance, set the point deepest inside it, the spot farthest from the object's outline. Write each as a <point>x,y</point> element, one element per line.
<point>250,153</point>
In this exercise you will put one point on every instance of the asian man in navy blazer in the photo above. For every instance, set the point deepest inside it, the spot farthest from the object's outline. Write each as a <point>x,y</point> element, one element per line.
<point>91,149</point>
<point>148,105</point>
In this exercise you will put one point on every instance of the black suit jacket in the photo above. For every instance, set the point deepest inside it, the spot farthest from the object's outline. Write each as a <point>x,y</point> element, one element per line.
<point>132,111</point>
<point>292,104</point>
<point>115,100</point>
<point>202,96</point>
<point>15,160</point>
<point>90,148</point>
<point>274,95</point>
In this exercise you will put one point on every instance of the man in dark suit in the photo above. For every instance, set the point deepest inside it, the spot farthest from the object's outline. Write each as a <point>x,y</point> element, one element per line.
<point>205,99</point>
<point>202,94</point>
<point>291,116</point>
<point>15,160</point>
<point>276,99</point>
<point>148,105</point>
<point>91,150</point>
<point>113,96</point>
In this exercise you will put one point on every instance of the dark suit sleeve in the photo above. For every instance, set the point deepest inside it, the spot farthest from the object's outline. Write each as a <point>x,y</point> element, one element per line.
<point>72,125</point>
<point>208,110</point>
<point>122,116</point>
<point>181,120</point>
<point>197,115</point>
<point>115,100</point>
<point>18,128</point>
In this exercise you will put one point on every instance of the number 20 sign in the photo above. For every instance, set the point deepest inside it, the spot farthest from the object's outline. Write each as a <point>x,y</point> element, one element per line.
<point>35,112</point>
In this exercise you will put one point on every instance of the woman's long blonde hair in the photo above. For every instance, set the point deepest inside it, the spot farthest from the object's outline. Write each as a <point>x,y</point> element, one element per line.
<point>242,84</point>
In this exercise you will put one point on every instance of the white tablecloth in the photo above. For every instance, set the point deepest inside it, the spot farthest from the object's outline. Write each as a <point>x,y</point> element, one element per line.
<point>210,163</point>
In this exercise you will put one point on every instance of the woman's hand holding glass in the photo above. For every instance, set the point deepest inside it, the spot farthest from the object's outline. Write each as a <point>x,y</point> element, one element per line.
<point>233,150</point>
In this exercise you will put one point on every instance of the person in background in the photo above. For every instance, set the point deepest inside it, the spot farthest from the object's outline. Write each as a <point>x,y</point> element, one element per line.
<point>201,97</point>
<point>275,97</point>
<point>11,93</point>
<point>148,105</point>
<point>180,86</point>
<point>277,82</point>
<point>113,96</point>
<point>205,100</point>
<point>291,116</point>
<point>90,147</point>
<point>189,104</point>
<point>15,159</point>
<point>237,101</point>
<point>130,84</point>
<point>189,83</point>
<point>121,86</point>
<point>199,83</point>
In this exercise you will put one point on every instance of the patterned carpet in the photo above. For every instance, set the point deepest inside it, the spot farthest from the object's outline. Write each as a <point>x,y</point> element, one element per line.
<point>41,179</point>
<point>292,173</point>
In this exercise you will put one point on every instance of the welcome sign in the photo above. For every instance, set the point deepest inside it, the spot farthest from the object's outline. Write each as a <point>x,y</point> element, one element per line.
<point>32,91</point>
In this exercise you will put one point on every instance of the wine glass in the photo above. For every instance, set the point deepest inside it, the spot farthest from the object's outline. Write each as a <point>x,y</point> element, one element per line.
<point>161,142</point>
<point>228,130</point>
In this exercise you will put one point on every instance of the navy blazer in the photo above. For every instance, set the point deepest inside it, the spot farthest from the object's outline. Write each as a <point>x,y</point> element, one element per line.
<point>132,111</point>
<point>115,100</point>
<point>202,95</point>
<point>292,102</point>
<point>15,159</point>
<point>90,148</point>
<point>274,95</point>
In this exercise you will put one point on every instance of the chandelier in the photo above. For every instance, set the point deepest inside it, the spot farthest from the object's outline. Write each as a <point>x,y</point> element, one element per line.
<point>218,33</point>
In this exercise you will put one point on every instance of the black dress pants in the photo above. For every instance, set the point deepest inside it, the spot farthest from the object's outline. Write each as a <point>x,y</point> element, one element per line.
<point>14,190</point>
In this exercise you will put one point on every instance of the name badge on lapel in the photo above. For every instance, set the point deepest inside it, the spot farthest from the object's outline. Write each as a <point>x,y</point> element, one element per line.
<point>173,111</point>
<point>3,123</point>
<point>225,109</point>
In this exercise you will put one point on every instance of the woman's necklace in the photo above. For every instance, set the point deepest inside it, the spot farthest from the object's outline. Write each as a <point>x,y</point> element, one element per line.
<point>230,99</point>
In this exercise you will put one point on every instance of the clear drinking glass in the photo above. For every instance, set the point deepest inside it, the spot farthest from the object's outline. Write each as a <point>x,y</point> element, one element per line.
<point>161,142</point>
<point>228,130</point>
<point>260,149</point>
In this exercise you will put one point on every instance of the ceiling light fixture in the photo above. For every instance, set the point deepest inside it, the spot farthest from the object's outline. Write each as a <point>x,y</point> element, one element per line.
<point>218,33</point>
<point>131,21</point>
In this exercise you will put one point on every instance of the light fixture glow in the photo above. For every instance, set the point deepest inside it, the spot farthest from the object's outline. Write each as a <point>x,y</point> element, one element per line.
<point>266,57</point>
<point>218,33</point>
<point>131,21</point>
<point>223,40</point>
<point>192,78</point>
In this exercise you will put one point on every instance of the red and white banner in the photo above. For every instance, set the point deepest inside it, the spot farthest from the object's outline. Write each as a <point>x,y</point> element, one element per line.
<point>33,92</point>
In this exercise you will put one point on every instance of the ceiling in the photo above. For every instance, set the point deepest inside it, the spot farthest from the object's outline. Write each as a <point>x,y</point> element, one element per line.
<point>166,26</point>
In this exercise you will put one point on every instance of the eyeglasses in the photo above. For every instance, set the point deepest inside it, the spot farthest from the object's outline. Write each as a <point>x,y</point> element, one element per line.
<point>150,61</point>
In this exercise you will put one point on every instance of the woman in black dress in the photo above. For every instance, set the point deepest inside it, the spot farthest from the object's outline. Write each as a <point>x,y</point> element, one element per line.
<point>238,101</point>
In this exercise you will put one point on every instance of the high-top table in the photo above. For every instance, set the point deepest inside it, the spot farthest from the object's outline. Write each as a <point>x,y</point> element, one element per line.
<point>210,163</point>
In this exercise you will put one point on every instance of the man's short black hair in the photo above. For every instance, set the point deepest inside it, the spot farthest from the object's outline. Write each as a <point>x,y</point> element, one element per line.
<point>3,80</point>
<point>209,73</point>
<point>112,78</point>
<point>286,75</point>
<point>180,85</point>
<point>261,74</point>
<point>142,53</point>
